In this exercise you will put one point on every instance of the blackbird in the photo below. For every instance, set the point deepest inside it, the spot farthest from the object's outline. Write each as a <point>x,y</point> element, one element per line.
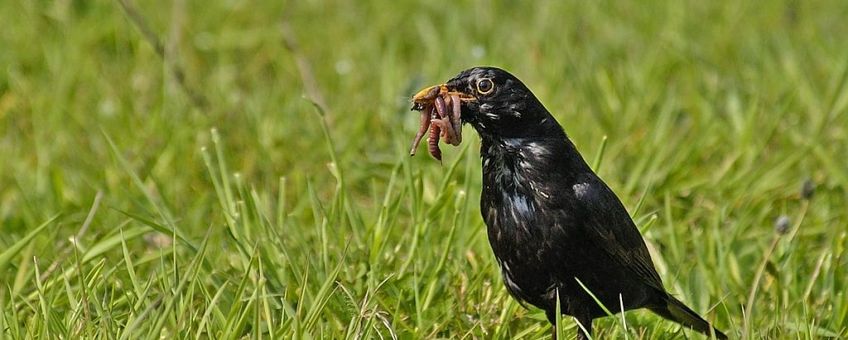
<point>553,224</point>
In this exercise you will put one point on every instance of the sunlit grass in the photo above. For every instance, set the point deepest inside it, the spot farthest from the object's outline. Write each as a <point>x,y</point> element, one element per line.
<point>130,211</point>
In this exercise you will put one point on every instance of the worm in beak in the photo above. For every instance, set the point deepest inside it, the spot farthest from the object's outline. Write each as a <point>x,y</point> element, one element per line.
<point>440,114</point>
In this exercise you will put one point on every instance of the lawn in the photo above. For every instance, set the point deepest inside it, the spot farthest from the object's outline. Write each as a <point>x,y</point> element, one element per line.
<point>237,169</point>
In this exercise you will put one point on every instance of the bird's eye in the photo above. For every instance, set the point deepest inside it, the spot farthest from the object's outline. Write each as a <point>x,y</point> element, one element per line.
<point>485,86</point>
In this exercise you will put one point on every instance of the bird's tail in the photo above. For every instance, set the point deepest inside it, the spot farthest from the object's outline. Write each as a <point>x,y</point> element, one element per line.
<point>676,311</point>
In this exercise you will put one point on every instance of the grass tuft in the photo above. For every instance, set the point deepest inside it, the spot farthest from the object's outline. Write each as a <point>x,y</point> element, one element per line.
<point>239,170</point>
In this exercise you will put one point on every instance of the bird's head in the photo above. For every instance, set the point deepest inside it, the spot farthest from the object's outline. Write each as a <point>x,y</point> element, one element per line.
<point>496,104</point>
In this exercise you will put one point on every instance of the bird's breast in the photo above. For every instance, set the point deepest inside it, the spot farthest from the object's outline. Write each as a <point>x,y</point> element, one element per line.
<point>511,200</point>
<point>518,204</point>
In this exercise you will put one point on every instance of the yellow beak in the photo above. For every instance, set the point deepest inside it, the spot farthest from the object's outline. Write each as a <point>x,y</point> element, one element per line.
<point>428,94</point>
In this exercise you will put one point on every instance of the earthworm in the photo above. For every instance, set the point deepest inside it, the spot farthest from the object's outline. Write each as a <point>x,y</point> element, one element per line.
<point>440,118</point>
<point>446,130</point>
<point>440,107</point>
<point>422,129</point>
<point>433,140</point>
<point>445,122</point>
<point>455,117</point>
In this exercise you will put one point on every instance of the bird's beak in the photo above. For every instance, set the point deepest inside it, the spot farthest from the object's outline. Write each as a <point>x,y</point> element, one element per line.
<point>428,94</point>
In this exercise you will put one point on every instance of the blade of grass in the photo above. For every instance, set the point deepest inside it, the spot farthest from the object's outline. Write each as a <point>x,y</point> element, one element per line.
<point>15,248</point>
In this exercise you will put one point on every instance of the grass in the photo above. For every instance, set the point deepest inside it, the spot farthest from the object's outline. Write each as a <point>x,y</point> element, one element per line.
<point>282,203</point>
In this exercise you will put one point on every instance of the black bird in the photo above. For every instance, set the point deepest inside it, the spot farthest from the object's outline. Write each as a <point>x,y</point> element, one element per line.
<point>552,222</point>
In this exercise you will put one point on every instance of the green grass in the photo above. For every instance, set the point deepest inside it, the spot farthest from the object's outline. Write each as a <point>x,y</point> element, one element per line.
<point>129,210</point>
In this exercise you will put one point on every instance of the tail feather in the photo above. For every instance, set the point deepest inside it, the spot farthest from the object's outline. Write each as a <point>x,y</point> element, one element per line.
<point>676,311</point>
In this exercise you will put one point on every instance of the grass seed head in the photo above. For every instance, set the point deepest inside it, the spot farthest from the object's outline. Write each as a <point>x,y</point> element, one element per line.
<point>781,225</point>
<point>808,189</point>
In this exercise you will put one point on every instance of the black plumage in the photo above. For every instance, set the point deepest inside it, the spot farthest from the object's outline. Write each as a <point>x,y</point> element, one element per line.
<point>551,220</point>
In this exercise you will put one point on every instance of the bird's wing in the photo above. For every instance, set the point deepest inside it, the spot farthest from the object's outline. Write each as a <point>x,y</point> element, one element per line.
<point>606,222</point>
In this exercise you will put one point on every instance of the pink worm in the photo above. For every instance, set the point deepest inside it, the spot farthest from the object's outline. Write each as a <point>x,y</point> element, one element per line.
<point>422,129</point>
<point>433,141</point>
